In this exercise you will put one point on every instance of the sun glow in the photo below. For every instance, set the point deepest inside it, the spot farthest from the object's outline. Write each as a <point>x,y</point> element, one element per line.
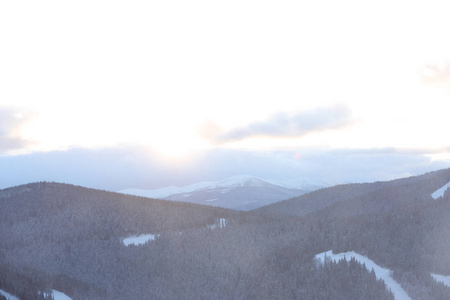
<point>60,129</point>
<point>158,73</point>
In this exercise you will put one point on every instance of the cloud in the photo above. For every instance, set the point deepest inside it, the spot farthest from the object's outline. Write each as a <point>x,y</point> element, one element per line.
<point>11,121</point>
<point>291,125</point>
<point>437,73</point>
<point>8,144</point>
<point>137,167</point>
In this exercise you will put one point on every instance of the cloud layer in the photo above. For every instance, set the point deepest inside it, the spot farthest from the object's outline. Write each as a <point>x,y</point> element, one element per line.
<point>437,73</point>
<point>290,125</point>
<point>133,167</point>
<point>11,121</point>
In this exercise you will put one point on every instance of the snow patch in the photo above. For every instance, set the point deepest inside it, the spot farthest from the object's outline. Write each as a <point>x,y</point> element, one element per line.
<point>440,192</point>
<point>211,200</point>
<point>8,295</point>
<point>240,180</point>
<point>442,278</point>
<point>380,272</point>
<point>221,223</point>
<point>57,295</point>
<point>139,239</point>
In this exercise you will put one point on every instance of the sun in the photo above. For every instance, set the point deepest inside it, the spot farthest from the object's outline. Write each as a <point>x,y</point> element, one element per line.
<point>177,146</point>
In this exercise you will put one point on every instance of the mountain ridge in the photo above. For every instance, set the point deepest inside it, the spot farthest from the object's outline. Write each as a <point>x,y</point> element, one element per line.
<point>324,198</point>
<point>71,239</point>
<point>241,192</point>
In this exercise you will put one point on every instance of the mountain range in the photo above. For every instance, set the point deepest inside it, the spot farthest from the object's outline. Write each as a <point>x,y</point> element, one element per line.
<point>75,240</point>
<point>237,192</point>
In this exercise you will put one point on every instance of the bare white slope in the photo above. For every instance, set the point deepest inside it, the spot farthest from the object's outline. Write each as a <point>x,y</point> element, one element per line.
<point>138,239</point>
<point>380,272</point>
<point>8,295</point>
<point>440,192</point>
<point>442,278</point>
<point>57,295</point>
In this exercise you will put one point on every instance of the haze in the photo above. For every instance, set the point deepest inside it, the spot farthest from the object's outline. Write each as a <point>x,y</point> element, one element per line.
<point>112,94</point>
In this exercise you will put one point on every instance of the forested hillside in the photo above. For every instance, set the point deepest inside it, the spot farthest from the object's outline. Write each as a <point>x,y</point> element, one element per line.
<point>72,233</point>
<point>397,223</point>
<point>69,238</point>
<point>363,197</point>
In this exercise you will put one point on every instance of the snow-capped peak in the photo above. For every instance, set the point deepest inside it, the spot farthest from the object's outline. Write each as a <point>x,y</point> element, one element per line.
<point>239,180</point>
<point>230,182</point>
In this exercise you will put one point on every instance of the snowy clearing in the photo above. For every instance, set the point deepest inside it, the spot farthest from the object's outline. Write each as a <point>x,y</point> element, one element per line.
<point>57,295</point>
<point>441,278</point>
<point>138,239</point>
<point>380,272</point>
<point>211,200</point>
<point>440,192</point>
<point>8,295</point>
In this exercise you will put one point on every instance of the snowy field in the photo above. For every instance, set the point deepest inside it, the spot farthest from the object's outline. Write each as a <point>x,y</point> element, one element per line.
<point>138,239</point>
<point>8,296</point>
<point>380,272</point>
<point>440,192</point>
<point>442,278</point>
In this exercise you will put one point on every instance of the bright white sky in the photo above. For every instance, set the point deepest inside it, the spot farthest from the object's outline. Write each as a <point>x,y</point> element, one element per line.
<point>187,75</point>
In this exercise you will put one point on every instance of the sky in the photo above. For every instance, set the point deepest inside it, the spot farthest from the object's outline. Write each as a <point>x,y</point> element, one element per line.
<point>117,94</point>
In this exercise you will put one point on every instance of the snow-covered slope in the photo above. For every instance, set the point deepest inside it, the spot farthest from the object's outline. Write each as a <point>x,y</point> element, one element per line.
<point>138,239</point>
<point>57,295</point>
<point>442,278</point>
<point>238,192</point>
<point>380,272</point>
<point>440,192</point>
<point>8,296</point>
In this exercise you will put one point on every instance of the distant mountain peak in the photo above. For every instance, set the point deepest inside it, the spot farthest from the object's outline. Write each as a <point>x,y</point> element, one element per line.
<point>237,192</point>
<point>233,181</point>
<point>240,180</point>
